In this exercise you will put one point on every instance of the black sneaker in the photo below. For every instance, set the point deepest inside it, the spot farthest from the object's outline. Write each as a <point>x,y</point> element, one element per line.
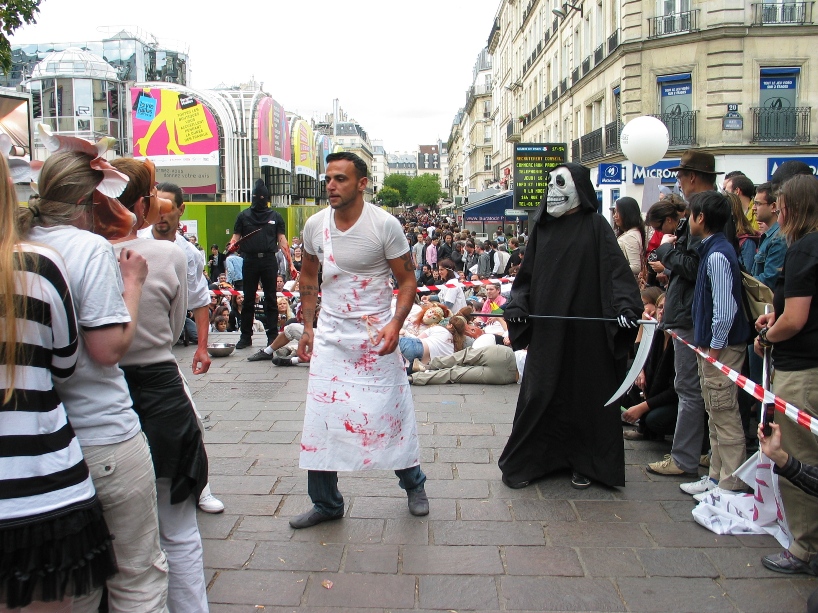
<point>259,355</point>
<point>244,343</point>
<point>580,482</point>
<point>282,361</point>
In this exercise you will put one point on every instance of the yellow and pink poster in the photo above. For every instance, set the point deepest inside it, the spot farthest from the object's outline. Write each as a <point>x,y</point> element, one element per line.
<point>303,149</point>
<point>173,128</point>
<point>274,145</point>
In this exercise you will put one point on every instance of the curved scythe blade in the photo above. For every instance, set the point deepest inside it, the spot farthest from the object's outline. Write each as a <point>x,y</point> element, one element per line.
<point>638,362</point>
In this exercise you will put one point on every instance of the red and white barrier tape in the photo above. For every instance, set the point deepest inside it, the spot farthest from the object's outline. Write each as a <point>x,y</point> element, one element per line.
<point>756,391</point>
<point>421,288</point>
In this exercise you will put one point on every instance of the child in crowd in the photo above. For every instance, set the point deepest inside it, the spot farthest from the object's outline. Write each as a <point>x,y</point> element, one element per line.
<point>721,330</point>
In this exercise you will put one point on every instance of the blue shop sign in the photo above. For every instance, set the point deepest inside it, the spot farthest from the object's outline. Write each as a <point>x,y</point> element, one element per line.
<point>774,163</point>
<point>659,170</point>
<point>610,174</point>
<point>777,82</point>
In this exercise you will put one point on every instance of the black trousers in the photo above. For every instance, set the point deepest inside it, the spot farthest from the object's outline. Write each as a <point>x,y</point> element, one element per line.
<point>255,270</point>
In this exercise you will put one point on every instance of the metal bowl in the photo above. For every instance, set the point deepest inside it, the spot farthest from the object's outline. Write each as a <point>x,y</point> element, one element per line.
<point>221,350</point>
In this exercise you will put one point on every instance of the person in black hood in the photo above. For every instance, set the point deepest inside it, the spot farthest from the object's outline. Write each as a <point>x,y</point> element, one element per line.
<point>262,233</point>
<point>573,268</point>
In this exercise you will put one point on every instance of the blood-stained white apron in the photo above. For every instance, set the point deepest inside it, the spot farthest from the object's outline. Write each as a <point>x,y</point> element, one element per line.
<point>359,411</point>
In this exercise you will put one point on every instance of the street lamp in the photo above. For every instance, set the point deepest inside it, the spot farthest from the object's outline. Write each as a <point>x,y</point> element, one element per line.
<point>562,13</point>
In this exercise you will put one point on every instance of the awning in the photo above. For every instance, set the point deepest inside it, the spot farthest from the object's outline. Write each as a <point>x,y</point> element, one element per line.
<point>685,76</point>
<point>772,72</point>
<point>492,209</point>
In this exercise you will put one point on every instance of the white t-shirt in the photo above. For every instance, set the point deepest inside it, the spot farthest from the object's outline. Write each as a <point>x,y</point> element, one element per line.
<point>96,398</point>
<point>376,237</point>
<point>453,295</point>
<point>439,341</point>
<point>198,290</point>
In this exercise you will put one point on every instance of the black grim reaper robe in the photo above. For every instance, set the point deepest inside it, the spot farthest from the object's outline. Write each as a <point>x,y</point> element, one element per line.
<point>572,267</point>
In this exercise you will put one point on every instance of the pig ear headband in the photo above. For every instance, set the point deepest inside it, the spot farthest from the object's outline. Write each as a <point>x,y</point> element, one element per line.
<point>111,219</point>
<point>113,182</point>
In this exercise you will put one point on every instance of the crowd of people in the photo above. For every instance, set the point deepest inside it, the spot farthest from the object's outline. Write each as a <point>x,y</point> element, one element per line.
<point>98,284</point>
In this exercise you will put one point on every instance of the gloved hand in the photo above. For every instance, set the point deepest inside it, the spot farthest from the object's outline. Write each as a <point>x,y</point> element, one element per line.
<point>626,321</point>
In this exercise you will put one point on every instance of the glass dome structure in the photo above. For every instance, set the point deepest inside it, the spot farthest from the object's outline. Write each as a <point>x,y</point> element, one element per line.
<point>74,62</point>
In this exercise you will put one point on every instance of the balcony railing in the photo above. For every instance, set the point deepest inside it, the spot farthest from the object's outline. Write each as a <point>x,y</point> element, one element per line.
<point>599,54</point>
<point>586,65</point>
<point>575,150</point>
<point>675,23</point>
<point>563,86</point>
<point>612,131</point>
<point>781,125</point>
<point>775,13</point>
<point>513,131</point>
<point>681,127</point>
<point>591,145</point>
<point>555,94</point>
<point>575,75</point>
<point>613,41</point>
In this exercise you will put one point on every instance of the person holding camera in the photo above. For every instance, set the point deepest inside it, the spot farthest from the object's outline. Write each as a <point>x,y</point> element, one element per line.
<point>678,253</point>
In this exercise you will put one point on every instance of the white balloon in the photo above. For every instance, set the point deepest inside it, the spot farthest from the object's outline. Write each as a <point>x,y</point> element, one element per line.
<point>644,140</point>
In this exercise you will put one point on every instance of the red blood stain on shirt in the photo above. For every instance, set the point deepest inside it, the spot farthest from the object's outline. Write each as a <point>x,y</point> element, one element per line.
<point>355,294</point>
<point>367,461</point>
<point>325,398</point>
<point>308,448</point>
<point>332,259</point>
<point>368,437</point>
<point>365,282</point>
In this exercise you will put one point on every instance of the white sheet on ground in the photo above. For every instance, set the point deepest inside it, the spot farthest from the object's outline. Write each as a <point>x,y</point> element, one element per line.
<point>758,513</point>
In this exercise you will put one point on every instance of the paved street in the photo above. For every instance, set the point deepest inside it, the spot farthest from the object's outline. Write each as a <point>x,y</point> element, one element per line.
<point>484,547</point>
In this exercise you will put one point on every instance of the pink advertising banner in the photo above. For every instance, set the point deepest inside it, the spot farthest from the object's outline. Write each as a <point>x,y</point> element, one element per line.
<point>173,128</point>
<point>274,146</point>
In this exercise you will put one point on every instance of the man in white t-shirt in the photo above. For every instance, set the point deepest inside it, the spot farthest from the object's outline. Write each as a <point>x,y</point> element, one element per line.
<point>359,412</point>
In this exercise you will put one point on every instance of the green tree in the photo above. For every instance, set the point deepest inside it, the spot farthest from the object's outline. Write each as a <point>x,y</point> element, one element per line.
<point>400,183</point>
<point>389,196</point>
<point>425,189</point>
<point>13,14</point>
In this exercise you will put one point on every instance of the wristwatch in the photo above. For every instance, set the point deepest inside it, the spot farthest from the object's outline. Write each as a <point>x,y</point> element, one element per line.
<point>762,338</point>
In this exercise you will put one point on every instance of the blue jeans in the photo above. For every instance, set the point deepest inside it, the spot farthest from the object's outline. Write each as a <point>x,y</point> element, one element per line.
<point>411,348</point>
<point>322,486</point>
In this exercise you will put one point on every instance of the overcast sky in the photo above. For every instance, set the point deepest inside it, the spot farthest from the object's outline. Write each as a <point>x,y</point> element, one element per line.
<point>400,69</point>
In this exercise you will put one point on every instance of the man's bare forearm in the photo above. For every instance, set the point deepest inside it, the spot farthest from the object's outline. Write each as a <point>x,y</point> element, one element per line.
<point>202,318</point>
<point>308,288</point>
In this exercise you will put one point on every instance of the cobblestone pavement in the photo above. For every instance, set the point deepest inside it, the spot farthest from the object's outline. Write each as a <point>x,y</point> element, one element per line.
<point>483,547</point>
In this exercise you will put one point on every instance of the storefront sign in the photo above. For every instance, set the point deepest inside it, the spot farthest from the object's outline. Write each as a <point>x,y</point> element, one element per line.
<point>659,170</point>
<point>610,174</point>
<point>774,163</point>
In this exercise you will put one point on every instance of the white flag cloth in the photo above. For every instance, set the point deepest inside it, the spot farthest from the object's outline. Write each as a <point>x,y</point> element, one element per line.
<point>757,513</point>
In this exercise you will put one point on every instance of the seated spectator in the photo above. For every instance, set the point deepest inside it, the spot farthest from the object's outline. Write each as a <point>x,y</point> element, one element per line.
<point>234,319</point>
<point>426,277</point>
<point>452,297</point>
<point>494,302</point>
<point>656,414</point>
<point>219,311</point>
<point>219,324</point>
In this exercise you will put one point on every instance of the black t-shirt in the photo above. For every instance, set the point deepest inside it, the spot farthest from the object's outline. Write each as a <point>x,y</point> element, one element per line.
<point>799,278</point>
<point>271,225</point>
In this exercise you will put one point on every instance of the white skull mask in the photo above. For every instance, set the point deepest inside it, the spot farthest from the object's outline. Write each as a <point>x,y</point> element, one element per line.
<point>562,193</point>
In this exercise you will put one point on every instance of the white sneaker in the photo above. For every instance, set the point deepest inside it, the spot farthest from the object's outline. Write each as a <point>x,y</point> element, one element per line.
<point>717,493</point>
<point>209,503</point>
<point>705,484</point>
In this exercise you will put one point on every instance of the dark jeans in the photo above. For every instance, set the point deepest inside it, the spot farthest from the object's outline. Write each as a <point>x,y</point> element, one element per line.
<point>322,486</point>
<point>659,422</point>
<point>265,270</point>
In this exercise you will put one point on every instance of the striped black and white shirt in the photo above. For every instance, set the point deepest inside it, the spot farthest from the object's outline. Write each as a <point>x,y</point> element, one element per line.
<point>42,470</point>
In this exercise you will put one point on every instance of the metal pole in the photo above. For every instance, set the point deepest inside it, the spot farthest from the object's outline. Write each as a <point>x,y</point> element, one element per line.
<point>644,322</point>
<point>767,410</point>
